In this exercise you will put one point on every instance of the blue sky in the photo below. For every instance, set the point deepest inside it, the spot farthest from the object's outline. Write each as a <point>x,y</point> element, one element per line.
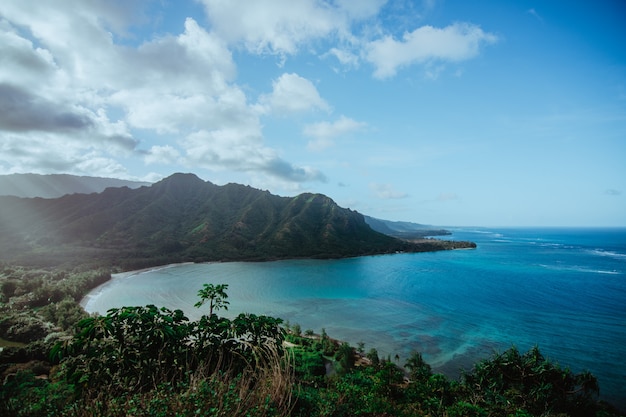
<point>455,113</point>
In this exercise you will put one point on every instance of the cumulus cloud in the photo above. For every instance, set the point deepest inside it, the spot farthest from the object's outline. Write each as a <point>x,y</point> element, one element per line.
<point>81,83</point>
<point>45,153</point>
<point>22,111</point>
<point>345,57</point>
<point>21,60</point>
<point>323,133</point>
<point>162,155</point>
<point>386,191</point>
<point>195,60</point>
<point>283,26</point>
<point>229,149</point>
<point>77,91</point>
<point>457,42</point>
<point>282,169</point>
<point>292,93</point>
<point>51,115</point>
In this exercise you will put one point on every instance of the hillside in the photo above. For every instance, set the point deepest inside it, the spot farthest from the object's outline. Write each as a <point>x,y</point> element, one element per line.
<point>183,218</point>
<point>404,230</point>
<point>57,185</point>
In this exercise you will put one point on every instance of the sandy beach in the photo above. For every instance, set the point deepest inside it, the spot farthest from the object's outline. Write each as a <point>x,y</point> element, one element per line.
<point>93,295</point>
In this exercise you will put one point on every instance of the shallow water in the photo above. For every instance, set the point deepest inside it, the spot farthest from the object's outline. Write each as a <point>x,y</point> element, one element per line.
<point>562,289</point>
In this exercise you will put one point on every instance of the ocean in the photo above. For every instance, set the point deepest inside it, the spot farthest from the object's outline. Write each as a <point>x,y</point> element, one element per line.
<point>561,289</point>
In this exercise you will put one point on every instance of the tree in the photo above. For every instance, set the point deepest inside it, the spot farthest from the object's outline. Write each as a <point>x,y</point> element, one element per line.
<point>345,357</point>
<point>216,295</point>
<point>372,355</point>
<point>420,370</point>
<point>513,380</point>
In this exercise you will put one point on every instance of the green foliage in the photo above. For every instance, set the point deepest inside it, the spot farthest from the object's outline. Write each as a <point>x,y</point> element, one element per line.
<point>372,355</point>
<point>215,295</point>
<point>64,314</point>
<point>27,288</point>
<point>345,358</point>
<point>23,394</point>
<point>309,365</point>
<point>420,370</point>
<point>140,346</point>
<point>464,409</point>
<point>150,361</point>
<point>513,381</point>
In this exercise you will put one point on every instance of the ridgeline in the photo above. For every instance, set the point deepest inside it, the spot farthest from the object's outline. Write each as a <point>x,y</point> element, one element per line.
<point>185,219</point>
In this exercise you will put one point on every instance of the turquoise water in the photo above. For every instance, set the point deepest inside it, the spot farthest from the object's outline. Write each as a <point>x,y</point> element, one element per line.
<point>562,289</point>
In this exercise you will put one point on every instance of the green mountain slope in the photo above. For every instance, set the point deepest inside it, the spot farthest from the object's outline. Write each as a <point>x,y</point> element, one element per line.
<point>404,230</point>
<point>183,218</point>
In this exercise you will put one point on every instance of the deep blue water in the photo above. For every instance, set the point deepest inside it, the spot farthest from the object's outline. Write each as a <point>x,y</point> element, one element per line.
<point>561,289</point>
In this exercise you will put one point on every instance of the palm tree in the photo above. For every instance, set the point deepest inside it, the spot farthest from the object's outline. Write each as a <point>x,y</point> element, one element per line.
<point>216,295</point>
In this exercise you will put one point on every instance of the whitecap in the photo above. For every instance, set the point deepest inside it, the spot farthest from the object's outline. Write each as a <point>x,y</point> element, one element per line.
<point>576,268</point>
<point>611,254</point>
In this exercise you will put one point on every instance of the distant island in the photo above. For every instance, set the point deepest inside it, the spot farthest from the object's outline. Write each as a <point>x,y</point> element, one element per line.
<point>185,219</point>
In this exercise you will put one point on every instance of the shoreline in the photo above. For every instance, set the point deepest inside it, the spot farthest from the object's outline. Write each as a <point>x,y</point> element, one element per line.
<point>95,292</point>
<point>461,353</point>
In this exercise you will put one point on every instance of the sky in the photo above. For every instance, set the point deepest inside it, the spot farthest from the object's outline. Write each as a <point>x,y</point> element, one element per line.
<point>443,112</point>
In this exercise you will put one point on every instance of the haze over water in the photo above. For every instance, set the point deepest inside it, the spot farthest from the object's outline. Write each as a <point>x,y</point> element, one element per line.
<point>562,289</point>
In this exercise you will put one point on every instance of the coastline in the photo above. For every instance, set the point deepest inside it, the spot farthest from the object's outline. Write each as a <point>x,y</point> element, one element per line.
<point>96,292</point>
<point>533,255</point>
<point>423,245</point>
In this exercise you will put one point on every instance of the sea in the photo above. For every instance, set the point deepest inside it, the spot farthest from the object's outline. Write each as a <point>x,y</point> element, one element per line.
<point>561,289</point>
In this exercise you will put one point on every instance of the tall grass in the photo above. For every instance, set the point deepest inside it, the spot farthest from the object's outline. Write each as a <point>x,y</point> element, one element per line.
<point>261,389</point>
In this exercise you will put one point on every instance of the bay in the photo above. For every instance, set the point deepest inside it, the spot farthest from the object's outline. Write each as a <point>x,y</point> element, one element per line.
<point>561,289</point>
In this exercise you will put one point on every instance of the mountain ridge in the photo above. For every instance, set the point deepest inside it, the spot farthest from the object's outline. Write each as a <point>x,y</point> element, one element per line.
<point>404,230</point>
<point>183,218</point>
<point>56,185</point>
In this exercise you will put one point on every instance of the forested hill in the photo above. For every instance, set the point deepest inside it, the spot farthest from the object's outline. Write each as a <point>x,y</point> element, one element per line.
<point>183,218</point>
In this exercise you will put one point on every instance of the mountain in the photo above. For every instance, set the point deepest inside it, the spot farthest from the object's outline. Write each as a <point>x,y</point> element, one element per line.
<point>57,185</point>
<point>183,218</point>
<point>404,230</point>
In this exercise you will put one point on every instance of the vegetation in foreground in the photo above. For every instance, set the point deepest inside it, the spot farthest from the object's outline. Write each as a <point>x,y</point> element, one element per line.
<point>149,361</point>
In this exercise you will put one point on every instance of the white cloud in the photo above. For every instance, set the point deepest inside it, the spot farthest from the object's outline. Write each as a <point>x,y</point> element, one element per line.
<point>534,13</point>
<point>51,119</point>
<point>194,61</point>
<point>361,9</point>
<point>457,42</point>
<point>21,61</point>
<point>229,149</point>
<point>279,26</point>
<point>162,155</point>
<point>68,80</point>
<point>292,93</point>
<point>323,133</point>
<point>345,57</point>
<point>81,84</point>
<point>386,191</point>
<point>49,152</point>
